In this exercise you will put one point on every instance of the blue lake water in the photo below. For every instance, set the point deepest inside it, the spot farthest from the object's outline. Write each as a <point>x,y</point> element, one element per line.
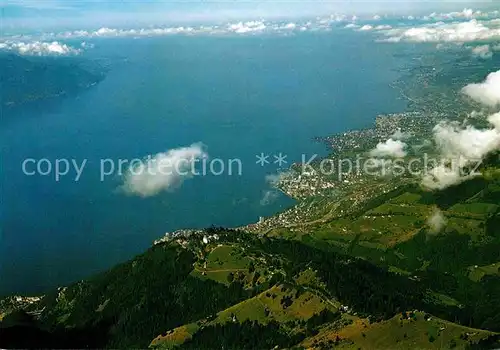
<point>239,96</point>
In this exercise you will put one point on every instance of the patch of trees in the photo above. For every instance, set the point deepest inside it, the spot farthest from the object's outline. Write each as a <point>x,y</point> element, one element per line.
<point>129,305</point>
<point>325,316</point>
<point>359,284</point>
<point>20,330</point>
<point>286,301</point>
<point>454,194</point>
<point>146,297</point>
<point>247,335</point>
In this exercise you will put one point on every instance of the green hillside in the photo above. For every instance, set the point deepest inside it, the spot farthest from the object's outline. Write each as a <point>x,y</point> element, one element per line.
<point>344,274</point>
<point>201,287</point>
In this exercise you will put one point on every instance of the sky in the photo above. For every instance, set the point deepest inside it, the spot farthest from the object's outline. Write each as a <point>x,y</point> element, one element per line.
<point>40,14</point>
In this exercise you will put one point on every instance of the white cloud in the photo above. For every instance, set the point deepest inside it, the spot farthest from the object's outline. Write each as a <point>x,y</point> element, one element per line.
<point>459,32</point>
<point>366,27</point>
<point>269,197</point>
<point>383,27</point>
<point>436,222</point>
<point>390,148</point>
<point>240,28</point>
<point>85,45</point>
<point>247,27</point>
<point>39,48</point>
<point>351,25</point>
<point>274,180</point>
<point>400,135</point>
<point>290,26</point>
<point>484,52</point>
<point>459,147</point>
<point>456,142</point>
<point>163,171</point>
<point>443,176</point>
<point>488,92</point>
<point>113,32</point>
<point>464,14</point>
<point>495,120</point>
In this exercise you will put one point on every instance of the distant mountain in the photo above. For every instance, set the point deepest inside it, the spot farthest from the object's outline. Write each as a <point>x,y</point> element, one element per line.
<point>29,79</point>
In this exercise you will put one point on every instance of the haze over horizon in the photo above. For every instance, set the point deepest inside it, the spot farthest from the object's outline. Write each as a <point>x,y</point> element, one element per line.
<point>29,15</point>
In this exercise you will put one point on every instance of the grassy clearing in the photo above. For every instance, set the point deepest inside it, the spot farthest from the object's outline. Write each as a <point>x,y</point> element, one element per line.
<point>282,232</point>
<point>387,230</point>
<point>473,210</point>
<point>399,333</point>
<point>445,299</point>
<point>309,277</point>
<point>407,198</point>
<point>398,209</point>
<point>263,308</point>
<point>175,337</point>
<point>269,306</point>
<point>227,258</point>
<point>473,228</point>
<point>250,309</point>
<point>477,273</point>
<point>220,262</point>
<point>399,271</point>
